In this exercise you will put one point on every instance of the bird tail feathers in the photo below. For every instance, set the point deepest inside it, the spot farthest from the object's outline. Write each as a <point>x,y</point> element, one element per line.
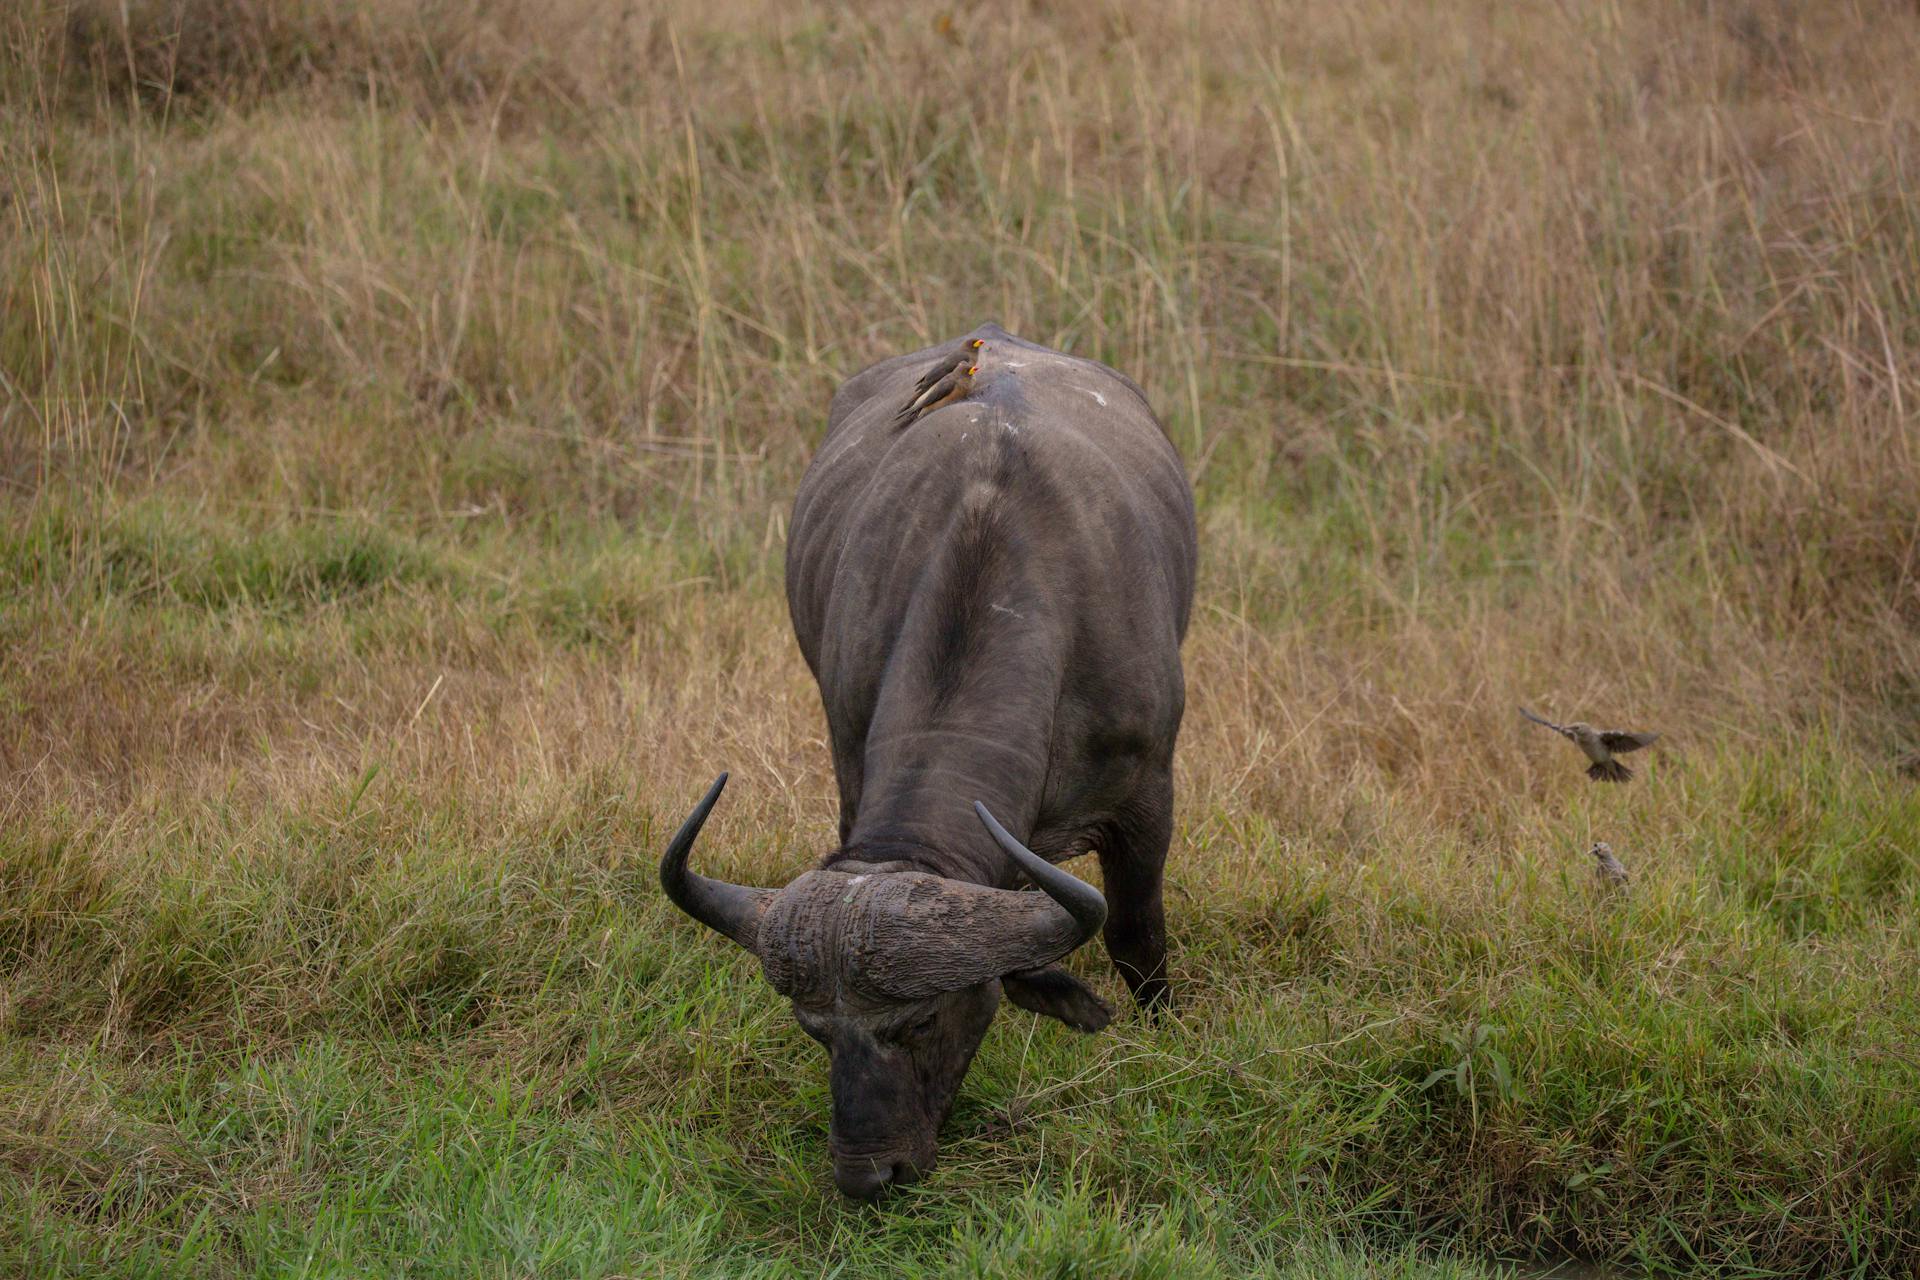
<point>1609,771</point>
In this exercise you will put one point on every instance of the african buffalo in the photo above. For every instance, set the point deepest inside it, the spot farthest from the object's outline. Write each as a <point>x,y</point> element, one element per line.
<point>990,569</point>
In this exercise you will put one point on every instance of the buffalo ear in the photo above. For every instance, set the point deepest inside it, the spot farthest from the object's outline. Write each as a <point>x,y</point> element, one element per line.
<point>1057,994</point>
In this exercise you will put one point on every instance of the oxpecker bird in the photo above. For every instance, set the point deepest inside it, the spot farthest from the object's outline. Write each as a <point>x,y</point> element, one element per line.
<point>1600,746</point>
<point>947,381</point>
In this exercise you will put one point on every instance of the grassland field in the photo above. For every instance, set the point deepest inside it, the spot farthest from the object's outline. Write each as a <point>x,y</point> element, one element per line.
<point>399,408</point>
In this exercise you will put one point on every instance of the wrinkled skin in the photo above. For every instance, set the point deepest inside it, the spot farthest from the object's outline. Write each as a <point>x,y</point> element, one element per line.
<point>991,593</point>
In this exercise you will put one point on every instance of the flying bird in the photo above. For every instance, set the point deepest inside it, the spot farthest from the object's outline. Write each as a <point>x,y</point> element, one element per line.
<point>1608,868</point>
<point>1600,746</point>
<point>942,383</point>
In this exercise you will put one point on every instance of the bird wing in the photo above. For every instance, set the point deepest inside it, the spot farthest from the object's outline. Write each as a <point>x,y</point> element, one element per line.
<point>1620,742</point>
<point>938,391</point>
<point>929,394</point>
<point>1550,724</point>
<point>933,375</point>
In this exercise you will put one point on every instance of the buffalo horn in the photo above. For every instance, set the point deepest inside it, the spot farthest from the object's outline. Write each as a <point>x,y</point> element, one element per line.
<point>923,934</point>
<point>1076,897</point>
<point>732,909</point>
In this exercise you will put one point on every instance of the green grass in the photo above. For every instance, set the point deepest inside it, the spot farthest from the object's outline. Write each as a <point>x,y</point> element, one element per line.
<point>347,1033</point>
<point>401,409</point>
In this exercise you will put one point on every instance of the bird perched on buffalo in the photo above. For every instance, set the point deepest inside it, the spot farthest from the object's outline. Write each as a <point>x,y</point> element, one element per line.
<point>1600,746</point>
<point>948,380</point>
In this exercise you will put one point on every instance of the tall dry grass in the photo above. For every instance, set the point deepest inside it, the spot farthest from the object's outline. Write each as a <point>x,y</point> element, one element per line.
<point>1504,323</point>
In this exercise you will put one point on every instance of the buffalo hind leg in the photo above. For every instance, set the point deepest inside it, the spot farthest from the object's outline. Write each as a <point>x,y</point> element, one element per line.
<point>1132,858</point>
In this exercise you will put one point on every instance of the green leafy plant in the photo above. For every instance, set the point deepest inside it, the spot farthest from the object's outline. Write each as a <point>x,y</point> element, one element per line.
<point>1477,1062</point>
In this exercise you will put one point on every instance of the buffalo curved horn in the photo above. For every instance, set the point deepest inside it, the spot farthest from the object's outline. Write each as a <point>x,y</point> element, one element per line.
<point>924,934</point>
<point>1078,898</point>
<point>732,909</point>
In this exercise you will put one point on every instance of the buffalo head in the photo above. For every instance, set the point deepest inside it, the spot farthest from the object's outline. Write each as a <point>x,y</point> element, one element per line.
<point>898,973</point>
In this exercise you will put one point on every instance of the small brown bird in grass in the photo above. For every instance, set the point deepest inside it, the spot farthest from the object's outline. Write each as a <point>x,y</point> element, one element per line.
<point>1600,746</point>
<point>943,382</point>
<point>1608,868</point>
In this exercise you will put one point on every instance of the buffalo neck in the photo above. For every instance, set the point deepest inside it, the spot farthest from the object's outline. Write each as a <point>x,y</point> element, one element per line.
<point>964,712</point>
<point>917,805</point>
